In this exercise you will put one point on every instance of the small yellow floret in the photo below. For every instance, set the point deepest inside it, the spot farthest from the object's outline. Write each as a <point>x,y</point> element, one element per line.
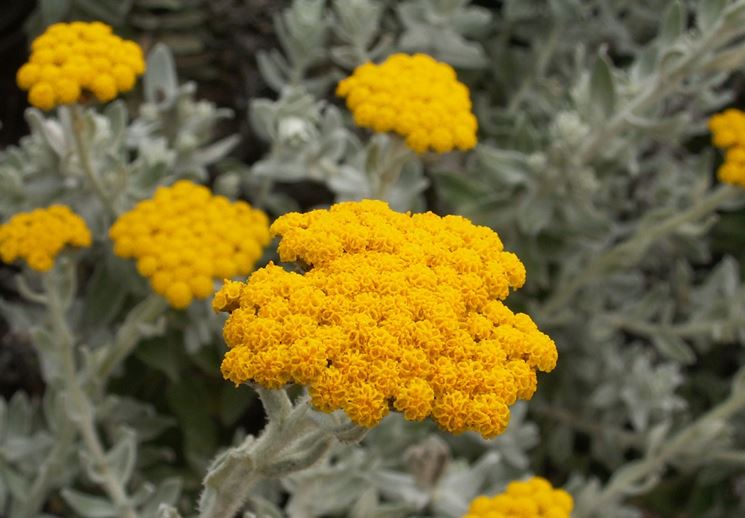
<point>185,237</point>
<point>414,96</point>
<point>103,87</point>
<point>532,498</point>
<point>71,58</point>
<point>728,133</point>
<point>394,311</point>
<point>39,236</point>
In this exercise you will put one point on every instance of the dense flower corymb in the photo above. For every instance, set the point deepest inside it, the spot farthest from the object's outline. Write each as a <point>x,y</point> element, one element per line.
<point>394,309</point>
<point>414,96</point>
<point>185,236</point>
<point>532,498</point>
<point>728,133</point>
<point>38,236</point>
<point>71,57</point>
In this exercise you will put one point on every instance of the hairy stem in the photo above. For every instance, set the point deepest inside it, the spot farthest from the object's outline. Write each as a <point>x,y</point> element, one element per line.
<point>79,405</point>
<point>83,152</point>
<point>620,485</point>
<point>291,441</point>
<point>643,238</point>
<point>130,333</point>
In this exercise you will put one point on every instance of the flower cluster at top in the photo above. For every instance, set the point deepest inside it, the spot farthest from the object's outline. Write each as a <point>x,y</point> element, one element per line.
<point>185,236</point>
<point>414,96</point>
<point>70,57</point>
<point>38,236</point>
<point>728,133</point>
<point>532,498</point>
<point>393,309</point>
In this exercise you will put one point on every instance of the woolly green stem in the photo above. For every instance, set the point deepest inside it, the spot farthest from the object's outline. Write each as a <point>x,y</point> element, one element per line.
<point>130,333</point>
<point>79,405</point>
<point>81,146</point>
<point>639,241</point>
<point>384,177</point>
<point>621,484</point>
<point>292,440</point>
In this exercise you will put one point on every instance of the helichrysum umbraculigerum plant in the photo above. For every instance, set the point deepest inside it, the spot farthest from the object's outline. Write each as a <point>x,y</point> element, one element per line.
<point>414,96</point>
<point>39,236</point>
<point>185,237</point>
<point>394,310</point>
<point>70,59</point>
<point>532,498</point>
<point>728,134</point>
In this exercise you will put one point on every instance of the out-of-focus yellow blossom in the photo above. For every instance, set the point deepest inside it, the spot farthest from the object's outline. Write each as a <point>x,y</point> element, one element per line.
<point>415,96</point>
<point>70,58</point>
<point>184,237</point>
<point>728,133</point>
<point>532,498</point>
<point>395,310</point>
<point>38,236</point>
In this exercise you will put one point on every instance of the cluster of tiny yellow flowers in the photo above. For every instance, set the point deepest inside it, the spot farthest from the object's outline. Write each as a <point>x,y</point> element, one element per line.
<point>393,310</point>
<point>728,133</point>
<point>414,96</point>
<point>185,236</point>
<point>38,236</point>
<point>533,498</point>
<point>70,57</point>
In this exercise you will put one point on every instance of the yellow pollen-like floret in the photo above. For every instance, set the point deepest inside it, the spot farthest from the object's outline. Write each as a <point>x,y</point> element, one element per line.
<point>39,236</point>
<point>532,498</point>
<point>414,96</point>
<point>69,60</point>
<point>728,133</point>
<point>185,237</point>
<point>393,312</point>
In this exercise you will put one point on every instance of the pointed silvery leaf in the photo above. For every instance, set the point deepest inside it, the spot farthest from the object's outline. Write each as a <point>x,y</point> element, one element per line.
<point>708,13</point>
<point>122,457</point>
<point>19,415</point>
<point>674,348</point>
<point>89,506</point>
<point>673,24</point>
<point>602,87</point>
<point>160,82</point>
<point>167,494</point>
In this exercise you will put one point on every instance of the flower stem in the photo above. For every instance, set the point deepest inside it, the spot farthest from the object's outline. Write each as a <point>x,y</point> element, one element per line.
<point>292,440</point>
<point>621,484</point>
<point>79,405</point>
<point>638,242</point>
<point>83,152</point>
<point>129,334</point>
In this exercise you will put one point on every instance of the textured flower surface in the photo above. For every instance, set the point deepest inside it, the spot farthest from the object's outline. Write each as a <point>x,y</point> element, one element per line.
<point>728,133</point>
<point>69,58</point>
<point>38,236</point>
<point>532,498</point>
<point>415,96</point>
<point>393,310</point>
<point>184,237</point>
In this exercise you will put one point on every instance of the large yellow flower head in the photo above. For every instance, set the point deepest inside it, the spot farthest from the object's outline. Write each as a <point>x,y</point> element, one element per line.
<point>393,310</point>
<point>532,498</point>
<point>39,236</point>
<point>184,237</point>
<point>414,96</point>
<point>728,133</point>
<point>72,57</point>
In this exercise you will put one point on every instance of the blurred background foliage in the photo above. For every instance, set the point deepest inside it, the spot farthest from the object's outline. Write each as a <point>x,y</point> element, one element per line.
<point>591,127</point>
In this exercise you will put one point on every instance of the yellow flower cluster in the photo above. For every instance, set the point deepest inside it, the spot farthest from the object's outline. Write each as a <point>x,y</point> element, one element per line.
<point>728,133</point>
<point>185,236</point>
<point>532,498</point>
<point>393,310</point>
<point>38,236</point>
<point>414,96</point>
<point>70,57</point>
